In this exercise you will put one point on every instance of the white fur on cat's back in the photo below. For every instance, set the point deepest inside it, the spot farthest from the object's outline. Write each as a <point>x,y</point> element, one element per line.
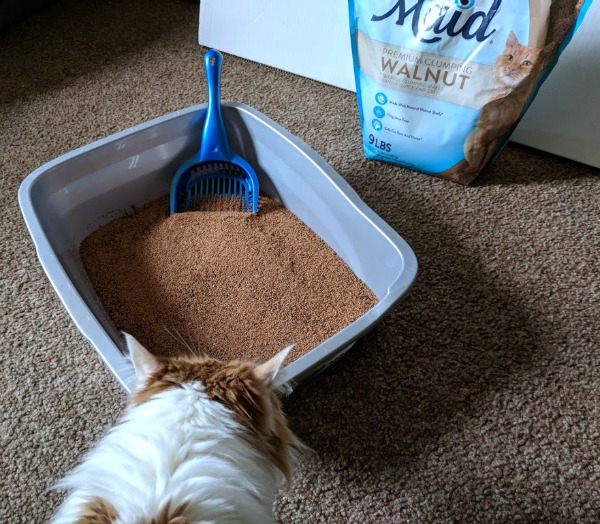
<point>197,455</point>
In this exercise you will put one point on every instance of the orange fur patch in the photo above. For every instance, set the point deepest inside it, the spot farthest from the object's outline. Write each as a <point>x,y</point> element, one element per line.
<point>168,516</point>
<point>98,511</point>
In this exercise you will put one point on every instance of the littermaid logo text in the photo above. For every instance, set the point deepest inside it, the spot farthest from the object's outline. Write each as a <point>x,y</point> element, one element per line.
<point>436,17</point>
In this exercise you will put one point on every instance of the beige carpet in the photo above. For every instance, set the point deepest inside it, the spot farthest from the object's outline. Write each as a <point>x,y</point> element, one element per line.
<point>478,399</point>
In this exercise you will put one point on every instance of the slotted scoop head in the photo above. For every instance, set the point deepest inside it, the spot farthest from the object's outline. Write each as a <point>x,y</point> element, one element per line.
<point>214,172</point>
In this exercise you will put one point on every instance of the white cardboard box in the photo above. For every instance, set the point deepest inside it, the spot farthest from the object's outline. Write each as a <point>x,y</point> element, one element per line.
<point>312,38</point>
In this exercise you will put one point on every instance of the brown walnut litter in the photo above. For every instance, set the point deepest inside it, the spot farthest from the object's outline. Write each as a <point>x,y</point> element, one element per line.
<point>231,284</point>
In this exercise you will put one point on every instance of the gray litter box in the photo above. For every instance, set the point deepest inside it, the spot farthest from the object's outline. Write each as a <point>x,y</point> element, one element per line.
<point>68,198</point>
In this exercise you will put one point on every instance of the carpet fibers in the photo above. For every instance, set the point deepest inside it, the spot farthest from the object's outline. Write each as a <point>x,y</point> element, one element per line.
<point>476,400</point>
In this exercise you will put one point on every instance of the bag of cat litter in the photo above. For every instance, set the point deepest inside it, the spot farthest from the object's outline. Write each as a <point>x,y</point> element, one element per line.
<point>441,84</point>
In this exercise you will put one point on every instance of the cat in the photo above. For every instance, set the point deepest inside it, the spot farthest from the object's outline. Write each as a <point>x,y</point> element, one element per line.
<point>515,73</point>
<point>513,66</point>
<point>201,441</point>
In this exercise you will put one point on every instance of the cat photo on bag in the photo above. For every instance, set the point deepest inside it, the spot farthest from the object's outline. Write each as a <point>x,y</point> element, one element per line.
<point>515,73</point>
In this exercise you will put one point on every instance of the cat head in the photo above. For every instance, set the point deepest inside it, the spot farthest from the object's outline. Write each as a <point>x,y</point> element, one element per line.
<point>247,389</point>
<point>516,63</point>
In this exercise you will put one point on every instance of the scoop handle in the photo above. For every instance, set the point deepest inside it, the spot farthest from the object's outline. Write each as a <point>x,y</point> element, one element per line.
<point>215,144</point>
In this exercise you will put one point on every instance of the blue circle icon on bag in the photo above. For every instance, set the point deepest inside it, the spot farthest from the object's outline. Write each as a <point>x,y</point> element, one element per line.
<point>381,98</point>
<point>378,111</point>
<point>377,125</point>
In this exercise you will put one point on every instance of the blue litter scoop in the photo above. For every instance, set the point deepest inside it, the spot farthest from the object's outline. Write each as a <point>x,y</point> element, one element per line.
<point>214,171</point>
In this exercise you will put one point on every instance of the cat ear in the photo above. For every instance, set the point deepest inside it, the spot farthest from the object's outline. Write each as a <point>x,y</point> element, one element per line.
<point>268,371</point>
<point>144,362</point>
<point>512,39</point>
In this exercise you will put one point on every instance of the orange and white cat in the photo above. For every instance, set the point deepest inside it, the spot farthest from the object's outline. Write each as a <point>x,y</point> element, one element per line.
<point>202,441</point>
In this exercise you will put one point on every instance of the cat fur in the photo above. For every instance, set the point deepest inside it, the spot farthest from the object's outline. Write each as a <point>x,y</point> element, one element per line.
<point>201,442</point>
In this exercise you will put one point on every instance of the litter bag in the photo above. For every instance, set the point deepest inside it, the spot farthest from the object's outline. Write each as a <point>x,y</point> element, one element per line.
<point>441,84</point>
